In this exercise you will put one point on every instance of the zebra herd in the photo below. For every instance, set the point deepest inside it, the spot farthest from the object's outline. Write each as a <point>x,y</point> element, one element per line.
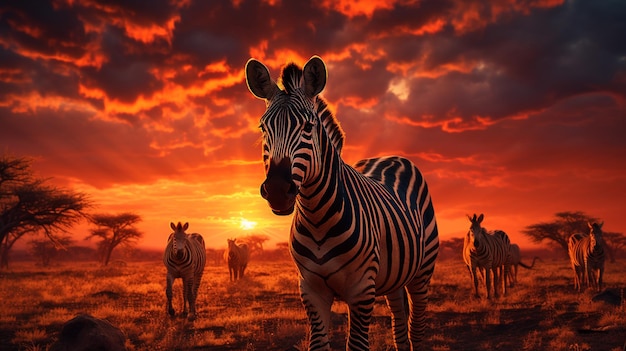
<point>491,254</point>
<point>357,232</point>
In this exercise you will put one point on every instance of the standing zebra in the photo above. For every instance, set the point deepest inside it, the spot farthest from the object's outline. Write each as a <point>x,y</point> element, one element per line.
<point>356,232</point>
<point>515,260</point>
<point>490,252</point>
<point>586,254</point>
<point>237,257</point>
<point>184,258</point>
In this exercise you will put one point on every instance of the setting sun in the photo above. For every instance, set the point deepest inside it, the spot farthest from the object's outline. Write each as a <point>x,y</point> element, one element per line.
<point>247,224</point>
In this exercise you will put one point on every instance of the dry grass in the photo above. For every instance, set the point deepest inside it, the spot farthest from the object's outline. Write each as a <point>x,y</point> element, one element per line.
<point>263,311</point>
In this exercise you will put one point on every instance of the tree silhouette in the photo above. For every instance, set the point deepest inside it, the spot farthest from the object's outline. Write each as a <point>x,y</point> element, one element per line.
<point>255,242</point>
<point>114,230</point>
<point>29,205</point>
<point>558,231</point>
<point>45,250</point>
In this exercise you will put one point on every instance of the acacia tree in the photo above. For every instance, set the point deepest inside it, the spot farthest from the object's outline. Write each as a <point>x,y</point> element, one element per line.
<point>255,242</point>
<point>29,205</point>
<point>558,231</point>
<point>114,230</point>
<point>45,250</point>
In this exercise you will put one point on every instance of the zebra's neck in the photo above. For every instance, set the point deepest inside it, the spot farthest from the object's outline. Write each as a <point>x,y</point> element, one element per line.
<point>323,200</point>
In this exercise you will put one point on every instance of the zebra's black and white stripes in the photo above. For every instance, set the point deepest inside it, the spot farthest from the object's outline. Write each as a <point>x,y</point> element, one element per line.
<point>184,257</point>
<point>586,253</point>
<point>490,252</point>
<point>356,232</point>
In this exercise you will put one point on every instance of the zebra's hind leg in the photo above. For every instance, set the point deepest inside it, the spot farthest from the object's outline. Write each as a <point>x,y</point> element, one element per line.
<point>398,304</point>
<point>317,305</point>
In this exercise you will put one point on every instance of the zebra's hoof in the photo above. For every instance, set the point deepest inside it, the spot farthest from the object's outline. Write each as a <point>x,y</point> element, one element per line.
<point>171,312</point>
<point>191,318</point>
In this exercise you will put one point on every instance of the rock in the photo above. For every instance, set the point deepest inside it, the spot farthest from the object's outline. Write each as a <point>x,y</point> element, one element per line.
<point>609,296</point>
<point>85,332</point>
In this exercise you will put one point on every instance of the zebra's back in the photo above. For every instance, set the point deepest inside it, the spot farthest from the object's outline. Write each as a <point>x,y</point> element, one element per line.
<point>413,249</point>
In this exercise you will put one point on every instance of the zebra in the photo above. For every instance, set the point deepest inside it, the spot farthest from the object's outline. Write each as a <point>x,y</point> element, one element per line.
<point>184,257</point>
<point>490,252</point>
<point>515,260</point>
<point>237,257</point>
<point>357,232</point>
<point>587,257</point>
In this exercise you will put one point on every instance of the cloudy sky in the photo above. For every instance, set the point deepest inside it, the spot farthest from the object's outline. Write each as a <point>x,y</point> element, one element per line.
<point>512,108</point>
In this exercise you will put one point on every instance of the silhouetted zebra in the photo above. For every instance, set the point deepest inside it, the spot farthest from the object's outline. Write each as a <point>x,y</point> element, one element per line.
<point>515,260</point>
<point>587,257</point>
<point>184,258</point>
<point>490,252</point>
<point>357,232</point>
<point>237,257</point>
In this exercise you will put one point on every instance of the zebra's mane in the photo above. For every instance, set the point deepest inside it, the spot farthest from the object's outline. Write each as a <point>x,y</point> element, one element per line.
<point>292,79</point>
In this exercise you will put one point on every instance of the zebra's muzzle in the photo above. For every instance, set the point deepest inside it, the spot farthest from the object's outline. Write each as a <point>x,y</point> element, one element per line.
<point>279,189</point>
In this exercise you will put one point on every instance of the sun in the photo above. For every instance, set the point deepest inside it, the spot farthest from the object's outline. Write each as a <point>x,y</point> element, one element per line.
<point>247,224</point>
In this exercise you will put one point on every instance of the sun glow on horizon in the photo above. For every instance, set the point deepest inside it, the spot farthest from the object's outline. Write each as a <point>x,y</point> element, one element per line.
<point>247,224</point>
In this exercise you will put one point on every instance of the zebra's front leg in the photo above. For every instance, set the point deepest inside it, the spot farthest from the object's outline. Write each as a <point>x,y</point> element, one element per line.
<point>398,304</point>
<point>488,281</point>
<point>317,305</point>
<point>475,278</point>
<point>360,317</point>
<point>190,297</point>
<point>168,294</point>
<point>185,296</point>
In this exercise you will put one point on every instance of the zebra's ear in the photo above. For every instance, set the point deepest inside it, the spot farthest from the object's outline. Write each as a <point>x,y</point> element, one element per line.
<point>259,81</point>
<point>173,226</point>
<point>314,76</point>
<point>480,218</point>
<point>185,226</point>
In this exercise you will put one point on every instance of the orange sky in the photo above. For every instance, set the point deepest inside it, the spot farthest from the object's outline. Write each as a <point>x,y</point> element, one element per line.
<point>515,109</point>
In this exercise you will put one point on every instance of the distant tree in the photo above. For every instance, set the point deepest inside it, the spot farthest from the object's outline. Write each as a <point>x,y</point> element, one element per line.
<point>114,230</point>
<point>45,250</point>
<point>451,248</point>
<point>255,242</point>
<point>557,232</point>
<point>29,205</point>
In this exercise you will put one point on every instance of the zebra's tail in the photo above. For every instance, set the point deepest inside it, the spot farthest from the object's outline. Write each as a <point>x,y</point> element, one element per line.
<point>531,265</point>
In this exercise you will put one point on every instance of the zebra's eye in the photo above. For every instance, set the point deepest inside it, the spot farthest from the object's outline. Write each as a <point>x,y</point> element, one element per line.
<point>308,126</point>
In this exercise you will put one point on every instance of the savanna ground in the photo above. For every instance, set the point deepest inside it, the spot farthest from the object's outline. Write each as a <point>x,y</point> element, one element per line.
<point>263,311</point>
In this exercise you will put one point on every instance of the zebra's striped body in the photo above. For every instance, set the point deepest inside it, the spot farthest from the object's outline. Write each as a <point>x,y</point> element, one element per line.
<point>490,252</point>
<point>237,257</point>
<point>184,257</point>
<point>515,260</point>
<point>356,232</point>
<point>587,257</point>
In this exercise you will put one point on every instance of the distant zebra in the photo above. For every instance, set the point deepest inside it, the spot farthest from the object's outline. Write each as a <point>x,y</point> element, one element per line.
<point>515,259</point>
<point>356,232</point>
<point>490,252</point>
<point>184,257</point>
<point>587,257</point>
<point>237,257</point>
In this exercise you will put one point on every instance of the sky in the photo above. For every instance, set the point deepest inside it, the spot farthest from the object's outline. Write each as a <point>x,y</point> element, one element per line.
<point>511,108</point>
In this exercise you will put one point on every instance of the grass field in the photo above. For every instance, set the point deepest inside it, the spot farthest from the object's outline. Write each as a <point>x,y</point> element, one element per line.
<point>263,311</point>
